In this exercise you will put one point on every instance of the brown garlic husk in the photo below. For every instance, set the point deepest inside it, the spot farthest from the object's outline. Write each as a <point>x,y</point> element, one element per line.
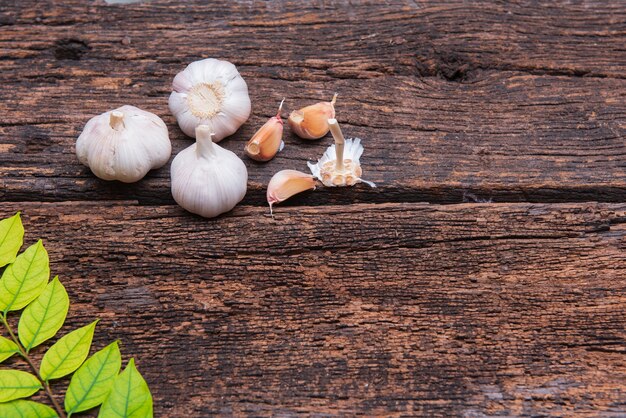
<point>268,140</point>
<point>311,122</point>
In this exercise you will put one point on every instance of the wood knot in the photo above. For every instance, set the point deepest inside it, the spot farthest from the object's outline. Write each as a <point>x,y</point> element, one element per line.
<point>70,49</point>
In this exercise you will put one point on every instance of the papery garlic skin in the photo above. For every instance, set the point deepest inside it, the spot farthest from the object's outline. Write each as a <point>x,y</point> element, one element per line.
<point>210,92</point>
<point>124,144</point>
<point>207,179</point>
<point>311,122</point>
<point>326,168</point>
<point>268,140</point>
<point>287,183</point>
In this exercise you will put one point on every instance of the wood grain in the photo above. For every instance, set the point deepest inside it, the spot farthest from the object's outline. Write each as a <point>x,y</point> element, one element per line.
<point>357,302</point>
<point>501,102</point>
<point>394,309</point>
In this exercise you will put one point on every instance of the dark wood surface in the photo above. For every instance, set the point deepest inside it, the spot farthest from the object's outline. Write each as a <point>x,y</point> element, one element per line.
<point>400,300</point>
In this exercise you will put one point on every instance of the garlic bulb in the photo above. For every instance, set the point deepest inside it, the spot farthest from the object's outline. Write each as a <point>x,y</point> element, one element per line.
<point>340,165</point>
<point>124,144</point>
<point>268,140</point>
<point>311,122</point>
<point>207,179</point>
<point>213,93</point>
<point>287,183</point>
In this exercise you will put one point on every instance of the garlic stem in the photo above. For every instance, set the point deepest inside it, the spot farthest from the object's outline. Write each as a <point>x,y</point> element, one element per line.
<point>116,120</point>
<point>280,108</point>
<point>204,142</point>
<point>339,142</point>
<point>332,102</point>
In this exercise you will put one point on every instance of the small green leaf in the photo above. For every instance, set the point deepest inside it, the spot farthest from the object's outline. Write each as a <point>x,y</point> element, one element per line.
<point>15,384</point>
<point>130,396</point>
<point>26,409</point>
<point>25,279</point>
<point>43,318</point>
<point>11,238</point>
<point>7,349</point>
<point>91,384</point>
<point>67,354</point>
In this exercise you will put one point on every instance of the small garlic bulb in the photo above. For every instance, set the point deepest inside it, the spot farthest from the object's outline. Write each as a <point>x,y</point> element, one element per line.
<point>287,183</point>
<point>213,93</point>
<point>268,140</point>
<point>124,144</point>
<point>207,179</point>
<point>311,122</point>
<point>340,165</point>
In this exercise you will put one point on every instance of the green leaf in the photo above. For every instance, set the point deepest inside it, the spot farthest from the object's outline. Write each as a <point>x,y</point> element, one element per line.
<point>15,384</point>
<point>26,409</point>
<point>91,384</point>
<point>7,349</point>
<point>43,318</point>
<point>11,238</point>
<point>67,354</point>
<point>130,396</point>
<point>25,279</point>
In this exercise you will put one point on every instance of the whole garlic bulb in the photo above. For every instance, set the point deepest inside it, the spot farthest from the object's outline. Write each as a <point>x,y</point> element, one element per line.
<point>213,93</point>
<point>124,144</point>
<point>207,179</point>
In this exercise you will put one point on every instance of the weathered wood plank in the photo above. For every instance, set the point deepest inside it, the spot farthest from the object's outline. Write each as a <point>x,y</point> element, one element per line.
<point>333,39</point>
<point>450,99</point>
<point>462,310</point>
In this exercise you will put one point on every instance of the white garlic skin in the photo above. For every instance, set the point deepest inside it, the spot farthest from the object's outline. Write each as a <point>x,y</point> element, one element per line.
<point>207,179</point>
<point>124,144</point>
<point>210,92</point>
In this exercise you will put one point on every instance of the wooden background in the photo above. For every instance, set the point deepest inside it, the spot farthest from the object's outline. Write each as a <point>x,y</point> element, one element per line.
<point>485,276</point>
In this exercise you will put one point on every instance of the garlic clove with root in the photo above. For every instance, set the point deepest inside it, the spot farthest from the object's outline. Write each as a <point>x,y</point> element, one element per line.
<point>268,140</point>
<point>311,122</point>
<point>340,165</point>
<point>207,179</point>
<point>210,92</point>
<point>287,183</point>
<point>124,144</point>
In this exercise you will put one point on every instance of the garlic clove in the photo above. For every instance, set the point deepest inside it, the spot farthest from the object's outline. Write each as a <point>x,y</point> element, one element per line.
<point>210,92</point>
<point>340,165</point>
<point>207,179</point>
<point>287,183</point>
<point>311,122</point>
<point>268,140</point>
<point>124,144</point>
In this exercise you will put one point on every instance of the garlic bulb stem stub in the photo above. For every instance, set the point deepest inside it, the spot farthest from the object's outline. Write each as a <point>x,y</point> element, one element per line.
<point>116,120</point>
<point>124,144</point>
<point>207,179</point>
<point>204,140</point>
<point>268,140</point>
<point>340,142</point>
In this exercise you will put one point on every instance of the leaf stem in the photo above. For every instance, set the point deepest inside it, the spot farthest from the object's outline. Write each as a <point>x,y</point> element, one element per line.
<point>26,357</point>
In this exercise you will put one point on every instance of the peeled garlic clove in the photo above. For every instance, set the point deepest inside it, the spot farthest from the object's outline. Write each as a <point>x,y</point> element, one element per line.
<point>287,183</point>
<point>340,165</point>
<point>213,93</point>
<point>124,144</point>
<point>311,122</point>
<point>207,179</point>
<point>268,140</point>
